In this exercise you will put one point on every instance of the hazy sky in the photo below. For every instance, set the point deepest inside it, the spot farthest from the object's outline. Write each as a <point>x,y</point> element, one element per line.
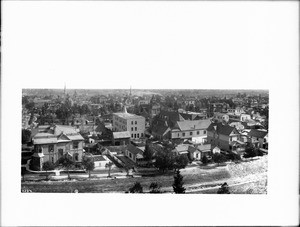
<point>147,44</point>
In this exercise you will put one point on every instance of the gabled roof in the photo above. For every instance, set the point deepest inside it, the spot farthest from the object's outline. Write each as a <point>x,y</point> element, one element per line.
<point>203,147</point>
<point>257,133</point>
<point>182,148</point>
<point>63,138</point>
<point>121,135</point>
<point>161,129</point>
<point>55,134</point>
<point>44,138</point>
<point>193,125</point>
<point>220,128</point>
<point>76,136</point>
<point>134,150</point>
<point>191,149</point>
<point>58,129</point>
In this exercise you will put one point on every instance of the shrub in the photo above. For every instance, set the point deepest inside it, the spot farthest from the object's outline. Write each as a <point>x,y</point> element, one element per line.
<point>224,189</point>
<point>204,160</point>
<point>219,158</point>
<point>154,187</point>
<point>136,188</point>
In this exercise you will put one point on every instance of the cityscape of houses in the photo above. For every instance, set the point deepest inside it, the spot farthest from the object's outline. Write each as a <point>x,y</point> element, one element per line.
<point>130,129</point>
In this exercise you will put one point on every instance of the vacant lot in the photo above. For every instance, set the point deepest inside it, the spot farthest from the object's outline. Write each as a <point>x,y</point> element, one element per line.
<point>194,178</point>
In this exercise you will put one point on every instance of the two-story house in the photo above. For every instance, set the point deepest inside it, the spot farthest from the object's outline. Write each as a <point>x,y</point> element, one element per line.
<point>53,142</point>
<point>193,130</point>
<point>259,138</point>
<point>227,138</point>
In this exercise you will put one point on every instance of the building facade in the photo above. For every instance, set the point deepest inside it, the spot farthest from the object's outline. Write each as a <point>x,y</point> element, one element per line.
<point>129,122</point>
<point>227,138</point>
<point>53,142</point>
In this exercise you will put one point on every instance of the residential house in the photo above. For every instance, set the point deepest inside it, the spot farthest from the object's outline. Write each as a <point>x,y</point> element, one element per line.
<point>181,149</point>
<point>259,138</point>
<point>53,142</point>
<point>220,117</point>
<point>134,153</point>
<point>100,161</point>
<point>121,138</point>
<point>193,130</point>
<point>227,138</point>
<point>205,150</point>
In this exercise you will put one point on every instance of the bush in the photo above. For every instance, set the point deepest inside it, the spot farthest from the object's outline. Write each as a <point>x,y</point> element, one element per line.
<point>219,158</point>
<point>224,189</point>
<point>154,187</point>
<point>136,188</point>
<point>204,160</point>
<point>252,152</point>
<point>233,156</point>
<point>181,162</point>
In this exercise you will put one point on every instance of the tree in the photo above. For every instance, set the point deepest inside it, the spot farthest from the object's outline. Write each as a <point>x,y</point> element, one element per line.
<point>178,183</point>
<point>164,160</point>
<point>251,152</point>
<point>25,136</point>
<point>109,165</point>
<point>88,164</point>
<point>47,166</point>
<point>233,156</point>
<point>154,187</point>
<point>136,188</point>
<point>219,158</point>
<point>148,153</point>
<point>67,163</point>
<point>29,106</point>
<point>181,162</point>
<point>204,160</point>
<point>224,189</point>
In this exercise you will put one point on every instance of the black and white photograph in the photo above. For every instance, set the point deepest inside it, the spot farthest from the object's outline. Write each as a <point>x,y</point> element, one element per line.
<point>156,113</point>
<point>145,141</point>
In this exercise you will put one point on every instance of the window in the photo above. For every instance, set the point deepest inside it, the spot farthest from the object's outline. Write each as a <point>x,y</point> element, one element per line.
<point>142,134</point>
<point>178,134</point>
<point>52,160</point>
<point>135,128</point>
<point>138,135</point>
<point>183,134</point>
<point>75,145</point>
<point>132,122</point>
<point>130,155</point>
<point>135,122</point>
<point>198,132</point>
<point>131,128</point>
<point>38,148</point>
<point>60,152</point>
<point>134,135</point>
<point>131,135</point>
<point>51,148</point>
<point>76,157</point>
<point>204,132</point>
<point>191,133</point>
